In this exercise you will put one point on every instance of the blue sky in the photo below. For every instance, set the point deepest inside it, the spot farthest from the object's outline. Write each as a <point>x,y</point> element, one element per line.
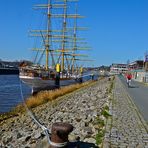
<point>118,29</point>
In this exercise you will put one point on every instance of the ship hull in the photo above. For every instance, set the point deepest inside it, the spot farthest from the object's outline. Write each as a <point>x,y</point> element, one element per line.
<point>37,84</point>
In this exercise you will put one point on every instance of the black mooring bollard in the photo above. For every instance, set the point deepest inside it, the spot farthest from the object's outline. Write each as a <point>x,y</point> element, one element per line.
<point>81,80</point>
<point>57,80</point>
<point>59,134</point>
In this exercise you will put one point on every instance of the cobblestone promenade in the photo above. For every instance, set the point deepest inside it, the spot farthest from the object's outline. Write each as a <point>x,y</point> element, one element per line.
<point>126,129</point>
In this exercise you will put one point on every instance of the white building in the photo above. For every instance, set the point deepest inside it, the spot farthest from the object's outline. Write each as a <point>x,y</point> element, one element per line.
<point>118,68</point>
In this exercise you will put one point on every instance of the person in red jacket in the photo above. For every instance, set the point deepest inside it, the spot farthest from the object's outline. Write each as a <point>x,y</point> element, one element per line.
<point>129,77</point>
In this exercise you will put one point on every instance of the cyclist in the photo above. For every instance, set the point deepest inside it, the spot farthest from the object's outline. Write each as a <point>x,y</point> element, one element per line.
<point>129,77</point>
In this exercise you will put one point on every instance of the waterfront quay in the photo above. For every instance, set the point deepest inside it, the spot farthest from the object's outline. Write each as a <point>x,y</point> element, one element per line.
<point>80,108</point>
<point>123,127</point>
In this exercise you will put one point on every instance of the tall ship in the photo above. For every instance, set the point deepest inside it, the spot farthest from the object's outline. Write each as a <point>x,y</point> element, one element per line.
<point>59,49</point>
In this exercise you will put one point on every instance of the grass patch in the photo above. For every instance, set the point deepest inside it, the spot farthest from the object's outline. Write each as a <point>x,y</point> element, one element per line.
<point>106,107</point>
<point>101,125</point>
<point>105,112</point>
<point>46,96</point>
<point>13,113</point>
<point>99,137</point>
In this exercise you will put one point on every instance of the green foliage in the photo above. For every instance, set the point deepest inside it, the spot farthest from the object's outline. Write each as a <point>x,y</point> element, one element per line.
<point>105,113</point>
<point>101,124</point>
<point>106,107</point>
<point>101,132</point>
<point>99,137</point>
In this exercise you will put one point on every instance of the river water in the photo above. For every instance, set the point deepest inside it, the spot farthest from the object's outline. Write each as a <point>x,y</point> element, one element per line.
<point>10,94</point>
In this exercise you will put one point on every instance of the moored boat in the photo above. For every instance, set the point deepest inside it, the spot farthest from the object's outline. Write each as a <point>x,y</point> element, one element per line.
<point>60,64</point>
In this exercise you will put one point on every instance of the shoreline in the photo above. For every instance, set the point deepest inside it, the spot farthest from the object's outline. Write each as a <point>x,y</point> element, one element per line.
<point>40,95</point>
<point>9,71</point>
<point>81,108</point>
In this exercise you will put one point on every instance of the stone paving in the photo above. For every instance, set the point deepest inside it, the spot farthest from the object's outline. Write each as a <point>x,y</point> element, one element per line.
<point>126,128</point>
<point>80,108</point>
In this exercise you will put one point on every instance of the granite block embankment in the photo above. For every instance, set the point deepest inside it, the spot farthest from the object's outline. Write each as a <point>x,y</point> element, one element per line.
<point>80,108</point>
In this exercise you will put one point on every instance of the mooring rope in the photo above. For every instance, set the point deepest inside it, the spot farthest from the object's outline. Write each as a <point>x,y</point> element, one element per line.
<point>45,129</point>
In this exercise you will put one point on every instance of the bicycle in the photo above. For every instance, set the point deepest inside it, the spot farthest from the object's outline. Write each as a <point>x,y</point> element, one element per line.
<point>129,82</point>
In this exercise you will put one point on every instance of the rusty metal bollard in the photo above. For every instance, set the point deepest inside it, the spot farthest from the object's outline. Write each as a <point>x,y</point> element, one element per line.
<point>59,134</point>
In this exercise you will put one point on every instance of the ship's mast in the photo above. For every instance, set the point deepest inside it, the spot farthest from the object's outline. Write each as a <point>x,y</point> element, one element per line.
<point>47,45</point>
<point>74,38</point>
<point>75,41</point>
<point>63,39</point>
<point>47,34</point>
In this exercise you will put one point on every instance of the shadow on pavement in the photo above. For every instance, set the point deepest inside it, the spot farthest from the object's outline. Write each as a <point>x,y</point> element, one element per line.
<point>81,144</point>
<point>76,144</point>
<point>132,86</point>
